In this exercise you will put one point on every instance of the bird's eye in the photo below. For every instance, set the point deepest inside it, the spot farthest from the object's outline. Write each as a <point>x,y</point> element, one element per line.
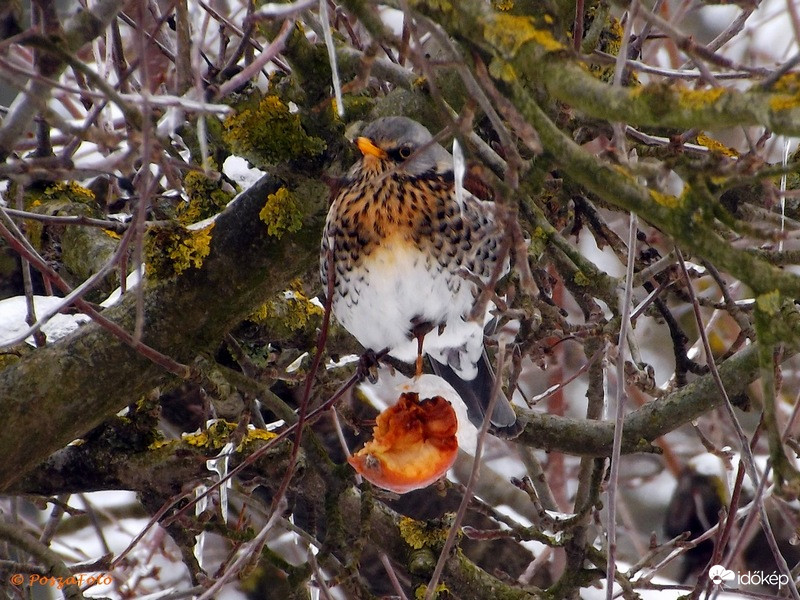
<point>404,152</point>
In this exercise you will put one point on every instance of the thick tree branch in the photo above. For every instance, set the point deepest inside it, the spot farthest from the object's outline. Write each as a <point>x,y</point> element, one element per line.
<point>72,470</point>
<point>642,426</point>
<point>58,393</point>
<point>162,472</point>
<point>535,54</point>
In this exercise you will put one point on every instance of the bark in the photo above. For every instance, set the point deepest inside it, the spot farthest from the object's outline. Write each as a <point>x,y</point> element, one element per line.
<point>58,393</point>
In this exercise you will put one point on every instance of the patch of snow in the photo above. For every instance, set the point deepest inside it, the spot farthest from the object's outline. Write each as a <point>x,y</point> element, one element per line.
<point>131,281</point>
<point>14,310</point>
<point>238,169</point>
<point>296,363</point>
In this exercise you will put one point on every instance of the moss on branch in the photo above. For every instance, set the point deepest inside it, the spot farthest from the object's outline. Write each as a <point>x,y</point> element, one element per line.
<point>162,472</point>
<point>643,426</point>
<point>688,219</point>
<point>58,393</point>
<point>536,53</point>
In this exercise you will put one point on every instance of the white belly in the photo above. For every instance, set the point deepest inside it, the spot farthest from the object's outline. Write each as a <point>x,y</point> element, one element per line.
<point>402,287</point>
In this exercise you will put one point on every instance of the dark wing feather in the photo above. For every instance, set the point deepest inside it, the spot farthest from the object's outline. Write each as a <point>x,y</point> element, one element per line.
<point>476,395</point>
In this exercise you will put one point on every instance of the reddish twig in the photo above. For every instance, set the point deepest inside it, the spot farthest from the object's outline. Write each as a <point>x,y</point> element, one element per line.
<point>473,478</point>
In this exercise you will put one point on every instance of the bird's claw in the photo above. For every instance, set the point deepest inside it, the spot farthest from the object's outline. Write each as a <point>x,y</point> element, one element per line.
<point>368,366</point>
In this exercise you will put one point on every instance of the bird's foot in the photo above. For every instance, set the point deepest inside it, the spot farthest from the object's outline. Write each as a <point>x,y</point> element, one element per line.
<point>368,366</point>
<point>419,330</point>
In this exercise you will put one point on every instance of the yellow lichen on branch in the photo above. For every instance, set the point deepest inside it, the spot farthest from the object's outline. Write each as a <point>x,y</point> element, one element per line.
<point>291,311</point>
<point>419,534</point>
<point>692,99</point>
<point>270,133</point>
<point>172,250</point>
<point>69,191</point>
<point>715,146</point>
<point>787,93</point>
<point>220,432</point>
<point>207,196</point>
<point>509,33</point>
<point>422,591</point>
<point>665,200</point>
<point>281,213</point>
<point>769,303</point>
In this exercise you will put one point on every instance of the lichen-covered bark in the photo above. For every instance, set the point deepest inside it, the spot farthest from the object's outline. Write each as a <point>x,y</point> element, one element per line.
<point>536,52</point>
<point>58,393</point>
<point>642,426</point>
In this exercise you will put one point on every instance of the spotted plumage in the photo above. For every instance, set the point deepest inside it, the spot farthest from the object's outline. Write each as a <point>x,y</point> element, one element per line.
<point>403,250</point>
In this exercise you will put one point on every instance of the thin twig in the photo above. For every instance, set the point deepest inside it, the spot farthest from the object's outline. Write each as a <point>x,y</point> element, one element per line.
<point>430,592</point>
<point>247,553</point>
<point>616,451</point>
<point>17,537</point>
<point>392,576</point>
<point>310,377</point>
<point>746,453</point>
<point>267,54</point>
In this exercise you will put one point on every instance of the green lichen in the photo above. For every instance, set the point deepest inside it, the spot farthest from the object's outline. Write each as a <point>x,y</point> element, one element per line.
<point>421,591</point>
<point>609,41</point>
<point>206,196</point>
<point>509,33</point>
<point>502,70</point>
<point>289,312</point>
<point>356,107</point>
<point>692,99</point>
<point>421,534</point>
<point>715,146</point>
<point>580,279</point>
<point>281,213</point>
<point>173,249</point>
<point>503,5</point>
<point>769,303</point>
<point>9,358</point>
<point>269,133</point>
<point>34,231</point>
<point>77,246</point>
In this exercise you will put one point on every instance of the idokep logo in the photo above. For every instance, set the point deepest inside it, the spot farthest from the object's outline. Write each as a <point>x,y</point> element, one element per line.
<point>718,574</point>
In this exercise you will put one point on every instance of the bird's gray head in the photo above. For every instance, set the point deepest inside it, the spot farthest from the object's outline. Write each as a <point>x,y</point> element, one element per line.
<point>404,145</point>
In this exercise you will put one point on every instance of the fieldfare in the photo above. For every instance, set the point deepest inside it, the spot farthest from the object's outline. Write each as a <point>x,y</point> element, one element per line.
<point>406,254</point>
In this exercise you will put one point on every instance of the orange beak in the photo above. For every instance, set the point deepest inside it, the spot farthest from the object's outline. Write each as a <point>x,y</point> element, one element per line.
<point>369,149</point>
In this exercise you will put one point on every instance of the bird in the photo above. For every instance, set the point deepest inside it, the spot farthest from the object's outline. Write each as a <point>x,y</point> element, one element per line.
<point>406,251</point>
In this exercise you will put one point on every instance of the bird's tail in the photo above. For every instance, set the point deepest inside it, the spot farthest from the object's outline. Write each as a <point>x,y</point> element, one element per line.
<point>476,394</point>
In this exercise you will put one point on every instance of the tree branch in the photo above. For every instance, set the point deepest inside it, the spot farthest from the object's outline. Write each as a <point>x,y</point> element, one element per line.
<point>55,395</point>
<point>82,28</point>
